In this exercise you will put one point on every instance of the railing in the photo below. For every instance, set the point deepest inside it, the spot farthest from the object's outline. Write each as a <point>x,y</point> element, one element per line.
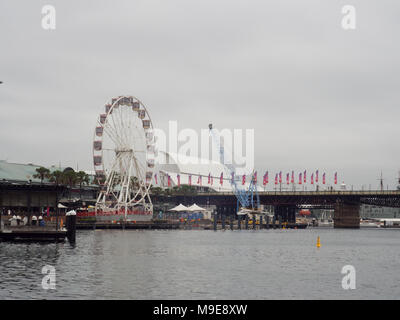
<point>311,193</point>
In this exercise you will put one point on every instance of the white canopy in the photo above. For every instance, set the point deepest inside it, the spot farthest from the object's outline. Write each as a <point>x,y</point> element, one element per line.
<point>61,206</point>
<point>179,208</point>
<point>195,207</point>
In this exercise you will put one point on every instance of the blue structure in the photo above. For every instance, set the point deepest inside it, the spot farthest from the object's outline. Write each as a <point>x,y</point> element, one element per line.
<point>246,198</point>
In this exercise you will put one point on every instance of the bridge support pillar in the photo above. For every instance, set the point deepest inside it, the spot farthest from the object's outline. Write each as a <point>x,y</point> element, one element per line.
<point>347,215</point>
<point>286,213</point>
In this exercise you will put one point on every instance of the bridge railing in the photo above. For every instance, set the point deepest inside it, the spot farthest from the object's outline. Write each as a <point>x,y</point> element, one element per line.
<point>314,193</point>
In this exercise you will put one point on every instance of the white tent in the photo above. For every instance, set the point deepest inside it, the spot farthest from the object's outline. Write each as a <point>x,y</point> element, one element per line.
<point>195,208</point>
<point>180,208</point>
<point>61,206</point>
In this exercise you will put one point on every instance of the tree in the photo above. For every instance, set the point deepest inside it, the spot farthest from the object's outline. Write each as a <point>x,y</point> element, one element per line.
<point>82,178</point>
<point>56,177</point>
<point>42,173</point>
<point>70,179</point>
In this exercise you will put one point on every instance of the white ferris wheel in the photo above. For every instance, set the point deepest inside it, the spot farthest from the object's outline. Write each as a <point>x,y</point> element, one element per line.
<point>123,157</point>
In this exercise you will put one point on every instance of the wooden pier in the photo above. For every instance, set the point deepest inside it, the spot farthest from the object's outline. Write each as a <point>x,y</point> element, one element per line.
<point>138,225</point>
<point>32,234</point>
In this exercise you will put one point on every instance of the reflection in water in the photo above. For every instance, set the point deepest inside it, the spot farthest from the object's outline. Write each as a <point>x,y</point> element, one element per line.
<point>267,264</point>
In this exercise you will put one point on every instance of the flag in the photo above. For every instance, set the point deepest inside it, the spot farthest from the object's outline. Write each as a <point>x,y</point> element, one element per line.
<point>190,180</point>
<point>155,178</point>
<point>305,179</point>
<point>323,178</point>
<point>233,177</point>
<point>169,181</point>
<point>280,177</point>
<point>316,176</point>
<point>287,178</point>
<point>265,178</point>
<point>221,179</point>
<point>300,180</point>
<point>209,178</point>
<point>199,180</point>
<point>335,177</point>
<point>292,181</point>
<point>312,178</point>
<point>276,178</point>
<point>255,177</point>
<point>244,179</point>
<point>178,177</point>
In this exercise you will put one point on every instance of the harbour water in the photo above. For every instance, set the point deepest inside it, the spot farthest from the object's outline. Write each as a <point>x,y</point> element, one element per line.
<point>204,264</point>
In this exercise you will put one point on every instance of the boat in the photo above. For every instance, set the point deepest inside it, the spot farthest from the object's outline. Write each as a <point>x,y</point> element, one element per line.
<point>369,224</point>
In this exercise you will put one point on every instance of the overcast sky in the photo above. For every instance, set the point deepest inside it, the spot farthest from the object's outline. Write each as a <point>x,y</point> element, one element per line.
<point>318,96</point>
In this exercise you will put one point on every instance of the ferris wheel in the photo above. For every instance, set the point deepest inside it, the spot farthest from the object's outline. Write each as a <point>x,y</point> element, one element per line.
<point>123,157</point>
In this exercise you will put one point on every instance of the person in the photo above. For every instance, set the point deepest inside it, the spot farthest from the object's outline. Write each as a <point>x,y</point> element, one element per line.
<point>25,220</point>
<point>18,220</point>
<point>34,220</point>
<point>41,222</point>
<point>13,221</point>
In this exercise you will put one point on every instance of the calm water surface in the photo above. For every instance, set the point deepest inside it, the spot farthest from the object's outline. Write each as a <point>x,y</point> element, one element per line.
<point>187,264</point>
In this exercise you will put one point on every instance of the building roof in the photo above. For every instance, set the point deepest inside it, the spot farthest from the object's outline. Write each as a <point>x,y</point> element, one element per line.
<point>17,171</point>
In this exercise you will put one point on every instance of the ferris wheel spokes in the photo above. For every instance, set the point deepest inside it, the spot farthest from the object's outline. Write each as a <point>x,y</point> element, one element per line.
<point>125,151</point>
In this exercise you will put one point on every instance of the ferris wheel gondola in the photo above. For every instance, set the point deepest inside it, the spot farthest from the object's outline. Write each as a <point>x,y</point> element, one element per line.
<point>123,158</point>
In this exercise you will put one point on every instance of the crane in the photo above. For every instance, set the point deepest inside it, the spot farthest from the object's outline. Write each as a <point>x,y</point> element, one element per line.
<point>248,200</point>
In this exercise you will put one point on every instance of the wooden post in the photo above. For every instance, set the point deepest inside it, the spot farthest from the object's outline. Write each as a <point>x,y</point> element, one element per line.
<point>71,232</point>
<point>223,221</point>
<point>267,222</point>
<point>261,222</point>
<point>247,222</point>
<point>231,221</point>
<point>215,221</point>
<point>239,222</point>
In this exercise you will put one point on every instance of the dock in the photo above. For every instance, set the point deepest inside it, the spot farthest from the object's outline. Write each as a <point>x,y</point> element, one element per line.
<point>32,234</point>
<point>138,225</point>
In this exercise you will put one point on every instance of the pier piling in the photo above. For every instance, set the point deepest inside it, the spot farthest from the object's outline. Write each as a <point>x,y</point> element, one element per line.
<point>71,226</point>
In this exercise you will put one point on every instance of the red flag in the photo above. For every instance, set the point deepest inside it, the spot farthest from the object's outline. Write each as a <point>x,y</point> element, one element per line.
<point>312,178</point>
<point>255,177</point>
<point>316,176</point>
<point>199,180</point>
<point>292,181</point>
<point>276,178</point>
<point>305,179</point>
<point>323,178</point>
<point>169,181</point>
<point>155,178</point>
<point>190,180</point>
<point>287,178</point>
<point>244,179</point>
<point>300,180</point>
<point>265,178</point>
<point>221,179</point>
<point>209,178</point>
<point>179,180</point>
<point>280,177</point>
<point>335,177</point>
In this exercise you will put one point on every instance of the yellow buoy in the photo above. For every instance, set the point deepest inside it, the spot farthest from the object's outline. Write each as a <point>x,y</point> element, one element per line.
<point>318,242</point>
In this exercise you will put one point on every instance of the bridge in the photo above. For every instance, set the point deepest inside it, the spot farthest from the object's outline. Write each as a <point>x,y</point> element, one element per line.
<point>346,204</point>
